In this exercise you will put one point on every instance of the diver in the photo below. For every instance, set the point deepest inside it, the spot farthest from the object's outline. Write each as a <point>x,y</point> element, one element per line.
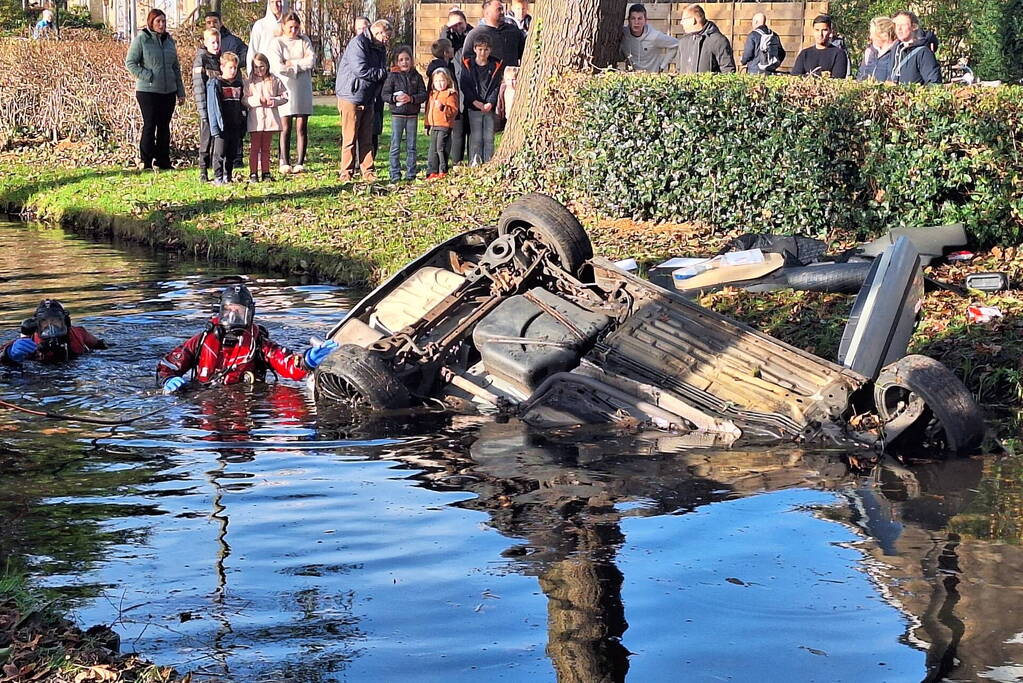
<point>49,336</point>
<point>233,349</point>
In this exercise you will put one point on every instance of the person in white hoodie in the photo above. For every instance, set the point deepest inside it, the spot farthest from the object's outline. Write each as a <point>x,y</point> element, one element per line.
<point>264,32</point>
<point>644,48</point>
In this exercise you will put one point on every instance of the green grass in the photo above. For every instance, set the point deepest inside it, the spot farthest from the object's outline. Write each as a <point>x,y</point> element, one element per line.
<point>360,232</point>
<point>350,232</point>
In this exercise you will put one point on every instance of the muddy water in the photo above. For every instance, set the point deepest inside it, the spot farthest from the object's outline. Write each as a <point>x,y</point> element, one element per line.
<point>244,536</point>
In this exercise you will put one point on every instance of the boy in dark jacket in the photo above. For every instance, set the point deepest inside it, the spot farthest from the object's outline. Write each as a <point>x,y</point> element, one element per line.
<point>224,96</point>
<point>205,66</point>
<point>405,92</point>
<point>703,49</point>
<point>480,83</point>
<point>443,58</point>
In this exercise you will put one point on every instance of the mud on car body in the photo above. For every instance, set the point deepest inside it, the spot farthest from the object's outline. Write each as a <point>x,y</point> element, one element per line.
<point>521,317</point>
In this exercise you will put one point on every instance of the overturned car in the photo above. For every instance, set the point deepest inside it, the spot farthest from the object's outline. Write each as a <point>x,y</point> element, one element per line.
<point>521,318</point>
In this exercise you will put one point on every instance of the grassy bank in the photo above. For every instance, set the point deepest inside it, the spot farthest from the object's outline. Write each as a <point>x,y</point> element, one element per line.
<point>308,222</point>
<point>357,233</point>
<point>350,232</point>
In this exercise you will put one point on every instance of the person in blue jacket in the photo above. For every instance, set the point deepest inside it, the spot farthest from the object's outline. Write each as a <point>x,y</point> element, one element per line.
<point>877,58</point>
<point>45,27</point>
<point>360,78</point>
<point>913,60</point>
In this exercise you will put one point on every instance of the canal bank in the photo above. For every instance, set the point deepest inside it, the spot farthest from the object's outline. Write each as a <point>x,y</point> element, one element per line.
<point>345,232</point>
<point>358,233</point>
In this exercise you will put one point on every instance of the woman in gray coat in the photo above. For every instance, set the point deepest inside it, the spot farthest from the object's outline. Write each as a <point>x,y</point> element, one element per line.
<point>153,61</point>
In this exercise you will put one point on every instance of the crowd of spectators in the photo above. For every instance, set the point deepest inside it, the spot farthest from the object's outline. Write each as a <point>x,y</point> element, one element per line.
<point>467,91</point>
<point>900,51</point>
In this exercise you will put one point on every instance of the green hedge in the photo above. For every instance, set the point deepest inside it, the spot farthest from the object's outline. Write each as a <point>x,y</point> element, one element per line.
<point>785,154</point>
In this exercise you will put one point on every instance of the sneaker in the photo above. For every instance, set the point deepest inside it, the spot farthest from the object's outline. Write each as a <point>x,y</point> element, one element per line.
<point>204,175</point>
<point>285,169</point>
<point>267,178</point>
<point>219,181</point>
<point>253,177</point>
<point>297,168</point>
<point>442,174</point>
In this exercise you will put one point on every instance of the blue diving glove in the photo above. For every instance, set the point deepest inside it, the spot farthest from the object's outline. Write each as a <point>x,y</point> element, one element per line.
<point>21,349</point>
<point>173,384</point>
<point>317,354</point>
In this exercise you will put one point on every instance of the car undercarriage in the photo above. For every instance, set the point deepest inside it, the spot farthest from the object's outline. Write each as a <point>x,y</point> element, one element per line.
<point>522,319</point>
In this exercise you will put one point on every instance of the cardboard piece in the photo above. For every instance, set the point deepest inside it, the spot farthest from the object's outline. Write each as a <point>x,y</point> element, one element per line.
<point>725,275</point>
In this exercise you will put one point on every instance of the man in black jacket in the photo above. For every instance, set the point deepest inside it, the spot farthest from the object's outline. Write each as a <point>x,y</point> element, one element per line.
<point>703,49</point>
<point>822,58</point>
<point>507,41</point>
<point>360,78</point>
<point>229,42</point>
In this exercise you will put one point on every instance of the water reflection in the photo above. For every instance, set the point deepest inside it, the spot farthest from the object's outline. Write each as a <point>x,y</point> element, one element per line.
<point>245,535</point>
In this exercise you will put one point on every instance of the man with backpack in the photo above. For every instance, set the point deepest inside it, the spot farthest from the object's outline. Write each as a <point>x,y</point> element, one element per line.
<point>763,53</point>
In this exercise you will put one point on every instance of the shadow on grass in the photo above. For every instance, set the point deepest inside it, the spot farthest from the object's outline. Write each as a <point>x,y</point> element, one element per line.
<point>14,195</point>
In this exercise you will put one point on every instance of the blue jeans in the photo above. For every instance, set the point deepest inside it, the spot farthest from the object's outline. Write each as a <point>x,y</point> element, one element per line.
<point>407,127</point>
<point>481,137</point>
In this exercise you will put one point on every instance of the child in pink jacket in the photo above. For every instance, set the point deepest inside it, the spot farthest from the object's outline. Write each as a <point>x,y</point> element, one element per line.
<point>264,92</point>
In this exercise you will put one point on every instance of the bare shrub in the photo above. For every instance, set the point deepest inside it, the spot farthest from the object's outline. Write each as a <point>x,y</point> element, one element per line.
<point>79,90</point>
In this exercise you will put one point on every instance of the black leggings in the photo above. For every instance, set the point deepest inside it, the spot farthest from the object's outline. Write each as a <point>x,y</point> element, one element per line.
<point>157,110</point>
<point>301,139</point>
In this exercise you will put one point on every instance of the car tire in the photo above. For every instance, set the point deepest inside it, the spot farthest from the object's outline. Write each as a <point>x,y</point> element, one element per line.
<point>922,390</point>
<point>548,221</point>
<point>358,377</point>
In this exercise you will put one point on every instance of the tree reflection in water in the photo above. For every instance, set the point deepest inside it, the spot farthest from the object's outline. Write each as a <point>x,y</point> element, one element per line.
<point>565,498</point>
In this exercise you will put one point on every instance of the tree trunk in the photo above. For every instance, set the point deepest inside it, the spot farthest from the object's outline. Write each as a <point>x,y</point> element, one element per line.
<point>567,34</point>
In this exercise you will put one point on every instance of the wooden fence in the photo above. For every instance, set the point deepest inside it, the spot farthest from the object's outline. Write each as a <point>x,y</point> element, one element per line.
<point>793,21</point>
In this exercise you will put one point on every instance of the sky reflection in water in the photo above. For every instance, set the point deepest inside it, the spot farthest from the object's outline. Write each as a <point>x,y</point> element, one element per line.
<point>241,535</point>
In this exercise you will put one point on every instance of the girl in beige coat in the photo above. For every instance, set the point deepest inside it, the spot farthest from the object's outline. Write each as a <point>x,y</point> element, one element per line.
<point>264,93</point>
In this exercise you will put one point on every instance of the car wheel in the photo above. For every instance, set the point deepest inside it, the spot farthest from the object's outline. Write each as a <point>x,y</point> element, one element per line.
<point>359,378</point>
<point>920,400</point>
<point>546,220</point>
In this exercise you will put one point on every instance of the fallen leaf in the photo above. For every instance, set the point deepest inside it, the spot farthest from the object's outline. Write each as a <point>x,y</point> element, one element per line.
<point>103,674</point>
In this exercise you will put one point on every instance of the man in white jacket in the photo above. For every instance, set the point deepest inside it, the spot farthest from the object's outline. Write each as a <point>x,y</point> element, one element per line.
<point>644,48</point>
<point>264,31</point>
